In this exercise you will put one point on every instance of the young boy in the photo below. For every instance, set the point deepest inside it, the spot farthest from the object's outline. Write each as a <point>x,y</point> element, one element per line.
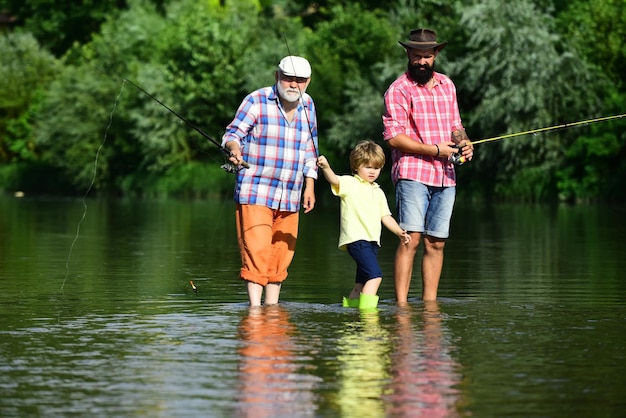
<point>363,208</point>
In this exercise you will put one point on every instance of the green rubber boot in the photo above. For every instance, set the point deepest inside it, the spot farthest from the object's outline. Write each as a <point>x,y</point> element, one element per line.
<point>350,303</point>
<point>368,301</point>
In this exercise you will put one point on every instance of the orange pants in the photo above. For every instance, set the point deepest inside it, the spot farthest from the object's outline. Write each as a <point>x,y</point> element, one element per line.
<point>267,242</point>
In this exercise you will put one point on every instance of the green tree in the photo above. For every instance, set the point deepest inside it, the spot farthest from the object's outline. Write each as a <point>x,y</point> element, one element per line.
<point>198,71</point>
<point>60,24</point>
<point>515,66</point>
<point>345,51</point>
<point>596,160</point>
<point>518,73</point>
<point>77,108</point>
<point>187,59</point>
<point>598,28</point>
<point>25,69</point>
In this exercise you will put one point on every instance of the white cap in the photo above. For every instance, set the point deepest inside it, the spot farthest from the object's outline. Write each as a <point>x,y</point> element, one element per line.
<point>295,66</point>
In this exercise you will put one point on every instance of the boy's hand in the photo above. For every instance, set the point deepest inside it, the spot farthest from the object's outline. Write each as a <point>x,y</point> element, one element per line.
<point>405,237</point>
<point>322,162</point>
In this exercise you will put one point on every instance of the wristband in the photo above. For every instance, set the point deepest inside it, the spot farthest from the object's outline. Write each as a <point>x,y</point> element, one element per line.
<point>437,151</point>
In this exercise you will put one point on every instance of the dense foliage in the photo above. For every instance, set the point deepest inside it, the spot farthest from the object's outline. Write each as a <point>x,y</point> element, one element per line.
<point>70,115</point>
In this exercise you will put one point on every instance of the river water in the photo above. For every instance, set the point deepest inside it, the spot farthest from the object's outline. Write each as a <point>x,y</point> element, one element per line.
<point>98,317</point>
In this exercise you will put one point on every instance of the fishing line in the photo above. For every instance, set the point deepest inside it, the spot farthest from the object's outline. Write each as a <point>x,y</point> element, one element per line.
<point>227,167</point>
<point>301,98</point>
<point>93,181</point>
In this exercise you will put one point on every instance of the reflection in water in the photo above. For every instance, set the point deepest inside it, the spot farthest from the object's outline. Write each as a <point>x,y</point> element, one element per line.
<point>270,385</point>
<point>128,337</point>
<point>364,358</point>
<point>424,374</point>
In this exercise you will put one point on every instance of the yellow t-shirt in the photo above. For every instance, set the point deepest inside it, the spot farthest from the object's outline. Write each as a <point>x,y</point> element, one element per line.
<point>363,205</point>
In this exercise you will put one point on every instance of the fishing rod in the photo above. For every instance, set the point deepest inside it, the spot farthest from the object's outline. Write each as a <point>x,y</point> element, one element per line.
<point>301,98</point>
<point>458,159</point>
<point>550,128</point>
<point>228,167</point>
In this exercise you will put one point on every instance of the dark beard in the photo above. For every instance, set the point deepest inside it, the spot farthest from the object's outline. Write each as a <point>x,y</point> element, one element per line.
<point>421,74</point>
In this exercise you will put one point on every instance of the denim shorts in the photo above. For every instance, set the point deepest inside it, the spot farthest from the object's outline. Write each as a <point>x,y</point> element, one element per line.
<point>365,254</point>
<point>425,209</point>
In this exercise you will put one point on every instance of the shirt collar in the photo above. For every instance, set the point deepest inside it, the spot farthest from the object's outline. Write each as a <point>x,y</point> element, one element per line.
<point>274,94</point>
<point>374,184</point>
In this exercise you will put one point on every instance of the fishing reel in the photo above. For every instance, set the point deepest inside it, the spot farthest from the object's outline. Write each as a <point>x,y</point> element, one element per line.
<point>457,158</point>
<point>230,168</point>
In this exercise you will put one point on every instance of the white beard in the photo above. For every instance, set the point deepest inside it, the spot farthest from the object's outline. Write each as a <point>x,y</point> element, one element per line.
<point>290,95</point>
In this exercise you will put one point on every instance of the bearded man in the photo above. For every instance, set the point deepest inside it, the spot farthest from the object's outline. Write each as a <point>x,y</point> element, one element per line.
<point>422,124</point>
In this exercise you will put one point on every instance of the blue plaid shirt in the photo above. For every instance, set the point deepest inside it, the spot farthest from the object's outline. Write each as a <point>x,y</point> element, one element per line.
<point>280,153</point>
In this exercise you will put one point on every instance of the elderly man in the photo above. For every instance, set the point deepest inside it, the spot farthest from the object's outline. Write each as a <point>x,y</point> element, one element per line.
<point>275,132</point>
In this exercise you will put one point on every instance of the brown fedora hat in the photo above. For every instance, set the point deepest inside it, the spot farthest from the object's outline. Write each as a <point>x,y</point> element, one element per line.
<point>423,39</point>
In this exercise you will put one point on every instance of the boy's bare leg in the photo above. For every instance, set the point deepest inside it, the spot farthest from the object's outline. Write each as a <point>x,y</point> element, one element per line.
<point>356,291</point>
<point>371,286</point>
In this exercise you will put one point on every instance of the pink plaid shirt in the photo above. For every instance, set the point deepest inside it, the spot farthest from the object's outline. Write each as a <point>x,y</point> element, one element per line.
<point>425,115</point>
